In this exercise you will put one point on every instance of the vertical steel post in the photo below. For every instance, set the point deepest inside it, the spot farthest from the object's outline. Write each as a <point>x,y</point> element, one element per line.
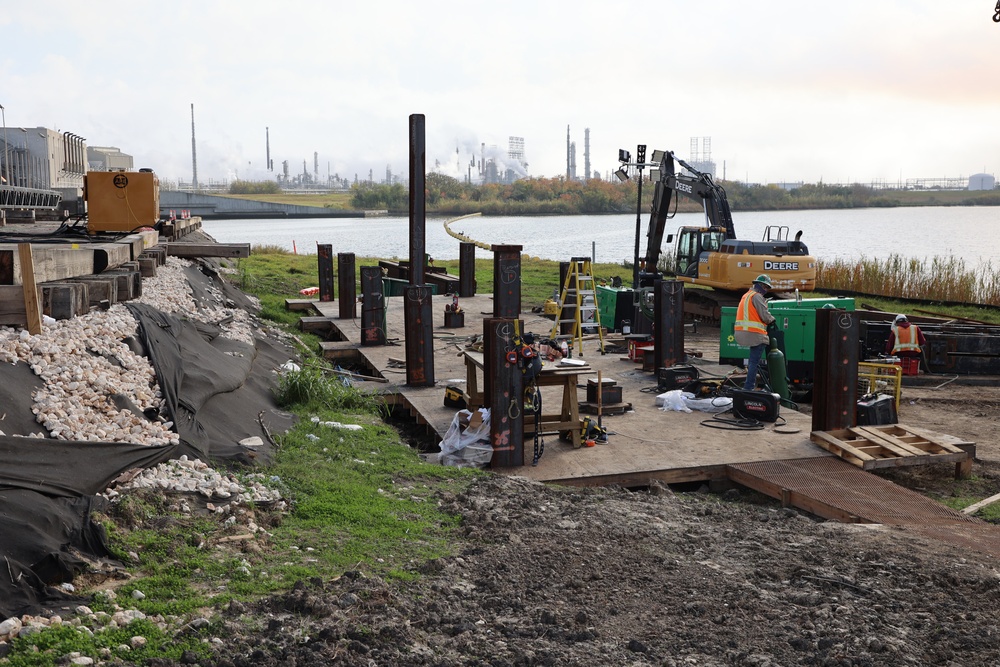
<point>506,281</point>
<point>418,200</point>
<point>372,306</point>
<point>419,336</point>
<point>668,334</point>
<point>466,269</point>
<point>417,296</point>
<point>503,391</point>
<point>324,255</point>
<point>835,386</point>
<point>345,281</point>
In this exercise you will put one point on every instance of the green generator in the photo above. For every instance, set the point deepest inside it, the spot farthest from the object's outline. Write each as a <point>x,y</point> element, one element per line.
<point>796,322</point>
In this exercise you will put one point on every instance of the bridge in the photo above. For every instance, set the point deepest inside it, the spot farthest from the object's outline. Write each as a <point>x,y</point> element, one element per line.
<point>13,197</point>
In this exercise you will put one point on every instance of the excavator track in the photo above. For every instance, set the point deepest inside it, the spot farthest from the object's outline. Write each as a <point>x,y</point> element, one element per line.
<point>706,305</point>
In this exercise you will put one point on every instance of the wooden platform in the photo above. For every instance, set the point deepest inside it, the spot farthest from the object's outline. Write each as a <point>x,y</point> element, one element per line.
<point>644,444</point>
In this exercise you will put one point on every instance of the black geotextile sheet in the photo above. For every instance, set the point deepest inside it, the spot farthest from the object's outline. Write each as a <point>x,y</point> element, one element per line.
<point>217,392</point>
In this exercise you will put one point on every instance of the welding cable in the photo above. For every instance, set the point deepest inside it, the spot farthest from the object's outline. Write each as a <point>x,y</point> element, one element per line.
<point>738,424</point>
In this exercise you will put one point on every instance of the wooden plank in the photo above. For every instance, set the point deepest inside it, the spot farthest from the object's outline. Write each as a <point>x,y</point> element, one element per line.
<point>339,350</point>
<point>975,507</point>
<point>840,448</point>
<point>886,441</point>
<point>208,249</point>
<point>32,304</point>
<point>934,439</point>
<point>12,311</point>
<point>300,304</point>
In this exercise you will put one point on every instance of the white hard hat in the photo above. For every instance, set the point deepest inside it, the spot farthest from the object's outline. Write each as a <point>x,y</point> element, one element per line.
<point>899,318</point>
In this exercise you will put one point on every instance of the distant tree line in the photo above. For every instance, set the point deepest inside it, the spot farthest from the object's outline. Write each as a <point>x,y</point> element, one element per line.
<point>557,196</point>
<point>254,188</point>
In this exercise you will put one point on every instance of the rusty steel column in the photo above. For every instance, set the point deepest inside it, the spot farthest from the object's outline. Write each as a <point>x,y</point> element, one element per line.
<point>466,269</point>
<point>506,281</point>
<point>503,391</point>
<point>668,334</point>
<point>324,255</point>
<point>372,307</point>
<point>417,296</point>
<point>419,336</point>
<point>418,200</point>
<point>835,388</point>
<point>345,281</point>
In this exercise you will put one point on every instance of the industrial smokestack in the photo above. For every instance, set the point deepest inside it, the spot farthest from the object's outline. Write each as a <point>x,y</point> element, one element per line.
<point>586,154</point>
<point>194,153</point>
<point>267,134</point>
<point>568,155</point>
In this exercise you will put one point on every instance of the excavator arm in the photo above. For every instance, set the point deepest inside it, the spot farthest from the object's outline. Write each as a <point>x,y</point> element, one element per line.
<point>699,187</point>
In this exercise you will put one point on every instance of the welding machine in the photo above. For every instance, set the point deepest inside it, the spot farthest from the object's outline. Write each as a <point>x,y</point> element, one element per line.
<point>758,405</point>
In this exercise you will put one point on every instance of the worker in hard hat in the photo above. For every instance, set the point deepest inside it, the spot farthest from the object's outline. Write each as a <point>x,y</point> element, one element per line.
<point>752,321</point>
<point>905,338</point>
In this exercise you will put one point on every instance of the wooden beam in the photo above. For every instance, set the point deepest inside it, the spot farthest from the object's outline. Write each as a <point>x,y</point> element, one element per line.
<point>32,304</point>
<point>12,312</point>
<point>300,304</point>
<point>208,249</point>
<point>110,255</point>
<point>840,448</point>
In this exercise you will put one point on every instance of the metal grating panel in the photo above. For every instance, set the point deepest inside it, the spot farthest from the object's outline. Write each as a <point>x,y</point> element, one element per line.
<point>848,490</point>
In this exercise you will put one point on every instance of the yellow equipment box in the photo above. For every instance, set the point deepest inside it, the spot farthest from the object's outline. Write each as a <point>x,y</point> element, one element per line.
<point>121,201</point>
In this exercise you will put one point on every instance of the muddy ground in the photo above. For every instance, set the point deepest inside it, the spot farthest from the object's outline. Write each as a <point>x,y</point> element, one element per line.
<point>659,576</point>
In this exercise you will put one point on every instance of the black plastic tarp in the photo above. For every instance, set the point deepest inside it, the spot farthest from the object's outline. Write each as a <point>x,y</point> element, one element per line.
<point>217,392</point>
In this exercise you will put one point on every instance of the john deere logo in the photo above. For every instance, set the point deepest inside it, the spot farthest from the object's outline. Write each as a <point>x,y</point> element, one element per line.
<point>121,180</point>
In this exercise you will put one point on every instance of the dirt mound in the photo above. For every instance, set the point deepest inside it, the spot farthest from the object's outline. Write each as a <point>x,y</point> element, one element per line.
<point>555,576</point>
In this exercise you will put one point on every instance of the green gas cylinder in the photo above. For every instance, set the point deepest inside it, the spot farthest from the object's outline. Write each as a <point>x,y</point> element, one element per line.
<point>776,369</point>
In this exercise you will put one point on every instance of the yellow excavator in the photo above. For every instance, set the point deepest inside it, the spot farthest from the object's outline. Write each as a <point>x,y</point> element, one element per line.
<point>712,256</point>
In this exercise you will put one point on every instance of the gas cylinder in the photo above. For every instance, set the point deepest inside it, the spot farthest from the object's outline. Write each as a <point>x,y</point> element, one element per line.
<point>776,369</point>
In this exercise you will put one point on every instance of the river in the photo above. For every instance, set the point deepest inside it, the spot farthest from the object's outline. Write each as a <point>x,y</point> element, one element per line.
<point>967,232</point>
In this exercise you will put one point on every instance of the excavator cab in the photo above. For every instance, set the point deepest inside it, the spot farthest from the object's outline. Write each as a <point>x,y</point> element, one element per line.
<point>691,242</point>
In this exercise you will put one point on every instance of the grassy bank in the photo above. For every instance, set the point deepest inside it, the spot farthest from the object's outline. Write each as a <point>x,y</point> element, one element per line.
<point>356,500</point>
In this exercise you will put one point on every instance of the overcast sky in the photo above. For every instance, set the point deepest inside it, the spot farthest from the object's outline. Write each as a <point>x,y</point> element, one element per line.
<point>788,90</point>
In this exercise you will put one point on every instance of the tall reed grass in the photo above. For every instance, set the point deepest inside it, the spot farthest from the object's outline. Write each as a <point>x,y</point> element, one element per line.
<point>937,279</point>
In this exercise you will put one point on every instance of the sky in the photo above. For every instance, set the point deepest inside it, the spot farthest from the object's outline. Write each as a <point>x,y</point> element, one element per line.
<point>787,90</point>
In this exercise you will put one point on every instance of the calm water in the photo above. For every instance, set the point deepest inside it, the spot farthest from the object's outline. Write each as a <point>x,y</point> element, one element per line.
<point>971,233</point>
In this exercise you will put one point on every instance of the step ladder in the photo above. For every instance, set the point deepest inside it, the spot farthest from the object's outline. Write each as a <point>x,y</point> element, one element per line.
<point>578,304</point>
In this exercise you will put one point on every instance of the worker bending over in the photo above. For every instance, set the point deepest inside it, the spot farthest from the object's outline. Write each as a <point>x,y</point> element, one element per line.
<point>905,339</point>
<point>752,321</point>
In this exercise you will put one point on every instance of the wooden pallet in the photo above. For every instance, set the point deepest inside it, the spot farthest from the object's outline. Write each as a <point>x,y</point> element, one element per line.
<point>889,446</point>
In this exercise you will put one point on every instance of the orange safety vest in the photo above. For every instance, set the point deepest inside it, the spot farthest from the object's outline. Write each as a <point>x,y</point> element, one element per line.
<point>906,339</point>
<point>747,317</point>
